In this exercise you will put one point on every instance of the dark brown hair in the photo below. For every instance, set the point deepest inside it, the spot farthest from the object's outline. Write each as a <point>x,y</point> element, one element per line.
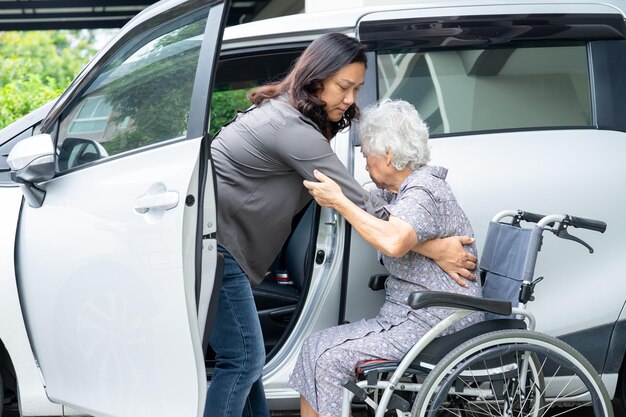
<point>323,58</point>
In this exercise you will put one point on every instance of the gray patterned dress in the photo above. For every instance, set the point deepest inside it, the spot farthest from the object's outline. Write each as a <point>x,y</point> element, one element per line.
<point>330,356</point>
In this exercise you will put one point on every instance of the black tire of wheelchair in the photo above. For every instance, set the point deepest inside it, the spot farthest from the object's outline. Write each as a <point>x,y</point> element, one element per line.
<point>1,395</point>
<point>460,353</point>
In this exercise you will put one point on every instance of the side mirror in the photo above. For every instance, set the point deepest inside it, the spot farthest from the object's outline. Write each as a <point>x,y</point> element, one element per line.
<point>32,161</point>
<point>78,151</point>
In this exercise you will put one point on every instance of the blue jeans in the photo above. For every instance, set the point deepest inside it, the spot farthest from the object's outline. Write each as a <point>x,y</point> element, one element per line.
<point>236,388</point>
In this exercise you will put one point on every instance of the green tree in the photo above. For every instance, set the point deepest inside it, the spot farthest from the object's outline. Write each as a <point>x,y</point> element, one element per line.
<point>224,107</point>
<point>36,66</point>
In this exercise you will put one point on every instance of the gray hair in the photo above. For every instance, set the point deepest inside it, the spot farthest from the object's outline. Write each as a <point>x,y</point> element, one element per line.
<point>395,125</point>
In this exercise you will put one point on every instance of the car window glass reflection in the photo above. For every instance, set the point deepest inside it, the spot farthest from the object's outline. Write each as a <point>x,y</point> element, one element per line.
<point>141,97</point>
<point>491,89</point>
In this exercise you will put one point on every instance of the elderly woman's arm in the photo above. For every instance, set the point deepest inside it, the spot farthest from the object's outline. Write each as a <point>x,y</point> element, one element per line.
<point>394,237</point>
<point>449,254</point>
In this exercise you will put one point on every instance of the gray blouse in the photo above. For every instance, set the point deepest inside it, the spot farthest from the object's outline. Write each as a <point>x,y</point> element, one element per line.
<point>260,162</point>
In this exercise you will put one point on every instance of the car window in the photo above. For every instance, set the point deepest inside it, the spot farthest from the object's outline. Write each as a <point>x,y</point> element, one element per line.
<point>237,75</point>
<point>491,89</point>
<point>142,96</point>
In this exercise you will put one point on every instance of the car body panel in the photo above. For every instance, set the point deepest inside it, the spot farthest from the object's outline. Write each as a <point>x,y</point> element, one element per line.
<point>13,332</point>
<point>106,299</point>
<point>500,184</point>
<point>460,8</point>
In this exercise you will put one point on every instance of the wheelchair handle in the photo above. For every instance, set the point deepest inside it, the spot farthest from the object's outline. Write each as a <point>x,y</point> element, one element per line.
<point>531,217</point>
<point>589,224</point>
<point>549,220</point>
<point>578,222</point>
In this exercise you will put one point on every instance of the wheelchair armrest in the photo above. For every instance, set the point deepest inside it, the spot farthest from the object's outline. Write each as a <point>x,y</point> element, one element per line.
<point>423,299</point>
<point>377,282</point>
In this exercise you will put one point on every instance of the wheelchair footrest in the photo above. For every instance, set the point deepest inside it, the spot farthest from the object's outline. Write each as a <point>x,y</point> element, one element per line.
<point>396,402</point>
<point>358,392</point>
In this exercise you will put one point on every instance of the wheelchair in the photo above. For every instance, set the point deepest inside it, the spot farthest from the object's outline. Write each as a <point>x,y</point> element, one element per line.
<point>497,367</point>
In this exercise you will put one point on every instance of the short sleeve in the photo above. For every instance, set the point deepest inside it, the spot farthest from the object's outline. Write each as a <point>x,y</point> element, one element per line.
<point>417,206</point>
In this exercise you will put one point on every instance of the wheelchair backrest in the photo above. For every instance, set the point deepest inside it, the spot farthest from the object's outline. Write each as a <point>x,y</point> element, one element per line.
<point>508,259</point>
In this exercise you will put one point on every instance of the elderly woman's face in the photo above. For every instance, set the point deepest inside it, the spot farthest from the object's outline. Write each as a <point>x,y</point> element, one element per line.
<point>381,170</point>
<point>339,91</point>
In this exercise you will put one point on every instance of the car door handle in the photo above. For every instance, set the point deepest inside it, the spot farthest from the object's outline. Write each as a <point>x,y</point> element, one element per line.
<point>165,200</point>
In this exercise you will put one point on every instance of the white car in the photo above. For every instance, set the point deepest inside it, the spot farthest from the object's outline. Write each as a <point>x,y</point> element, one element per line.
<point>107,250</point>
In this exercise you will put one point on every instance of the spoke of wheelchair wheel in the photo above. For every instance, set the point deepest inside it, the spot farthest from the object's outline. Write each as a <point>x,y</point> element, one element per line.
<point>497,407</point>
<point>531,389</point>
<point>542,394</point>
<point>453,411</point>
<point>489,406</point>
<point>569,410</point>
<point>517,397</point>
<point>530,395</point>
<point>549,405</point>
<point>493,385</point>
<point>459,411</point>
<point>519,390</point>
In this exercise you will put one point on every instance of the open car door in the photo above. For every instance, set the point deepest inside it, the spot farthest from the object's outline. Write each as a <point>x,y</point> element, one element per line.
<point>112,241</point>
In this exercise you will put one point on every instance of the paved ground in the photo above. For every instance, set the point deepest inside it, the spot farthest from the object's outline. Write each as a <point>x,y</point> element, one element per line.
<point>583,412</point>
<point>359,412</point>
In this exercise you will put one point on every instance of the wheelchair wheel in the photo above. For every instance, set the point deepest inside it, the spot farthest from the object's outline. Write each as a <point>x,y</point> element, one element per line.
<point>512,373</point>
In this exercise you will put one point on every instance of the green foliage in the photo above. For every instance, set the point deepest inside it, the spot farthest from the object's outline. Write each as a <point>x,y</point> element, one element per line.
<point>25,94</point>
<point>224,106</point>
<point>35,67</point>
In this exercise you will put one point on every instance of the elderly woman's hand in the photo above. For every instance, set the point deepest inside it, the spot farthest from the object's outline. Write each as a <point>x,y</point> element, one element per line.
<point>326,192</point>
<point>456,261</point>
<point>450,255</point>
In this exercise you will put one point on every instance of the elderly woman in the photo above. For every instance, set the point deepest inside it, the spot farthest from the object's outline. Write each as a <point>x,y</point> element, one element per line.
<point>421,206</point>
